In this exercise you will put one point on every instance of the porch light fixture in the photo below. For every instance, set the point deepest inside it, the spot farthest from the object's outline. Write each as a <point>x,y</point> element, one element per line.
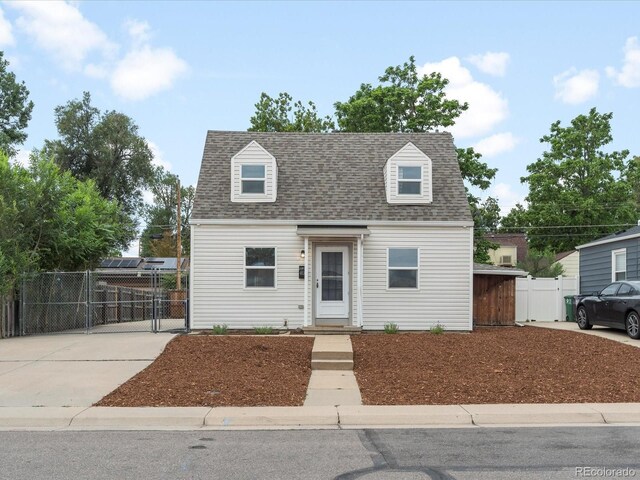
<point>301,253</point>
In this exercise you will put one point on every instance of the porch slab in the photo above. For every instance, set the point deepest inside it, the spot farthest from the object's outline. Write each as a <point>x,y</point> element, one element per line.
<point>533,413</point>
<point>333,380</point>
<point>326,397</point>
<point>271,416</point>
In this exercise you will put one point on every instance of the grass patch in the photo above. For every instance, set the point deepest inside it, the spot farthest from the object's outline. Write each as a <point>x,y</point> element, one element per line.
<point>437,329</point>
<point>391,328</point>
<point>263,330</point>
<point>219,329</point>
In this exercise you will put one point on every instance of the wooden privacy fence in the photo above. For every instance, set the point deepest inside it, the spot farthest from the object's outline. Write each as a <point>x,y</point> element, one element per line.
<point>494,299</point>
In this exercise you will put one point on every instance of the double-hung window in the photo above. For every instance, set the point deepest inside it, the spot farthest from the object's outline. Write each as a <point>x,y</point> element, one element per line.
<point>260,267</point>
<point>409,180</point>
<point>253,179</point>
<point>403,266</point>
<point>619,264</point>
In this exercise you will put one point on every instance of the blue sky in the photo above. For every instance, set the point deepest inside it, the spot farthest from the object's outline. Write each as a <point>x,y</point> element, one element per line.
<point>181,68</point>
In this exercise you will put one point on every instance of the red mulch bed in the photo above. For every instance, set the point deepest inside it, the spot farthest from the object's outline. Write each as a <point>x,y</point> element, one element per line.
<point>495,365</point>
<point>203,370</point>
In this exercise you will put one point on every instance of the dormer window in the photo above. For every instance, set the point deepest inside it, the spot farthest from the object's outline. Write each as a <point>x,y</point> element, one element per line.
<point>253,179</point>
<point>254,175</point>
<point>409,180</point>
<point>407,177</point>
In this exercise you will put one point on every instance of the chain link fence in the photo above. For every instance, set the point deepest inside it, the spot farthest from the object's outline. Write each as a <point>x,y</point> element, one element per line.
<point>104,302</point>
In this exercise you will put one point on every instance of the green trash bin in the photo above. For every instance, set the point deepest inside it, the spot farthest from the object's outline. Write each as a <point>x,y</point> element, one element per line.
<point>568,303</point>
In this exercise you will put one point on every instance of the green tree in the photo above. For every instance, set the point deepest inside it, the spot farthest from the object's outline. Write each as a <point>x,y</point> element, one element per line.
<point>486,218</point>
<point>15,109</point>
<point>404,101</point>
<point>516,221</point>
<point>105,147</point>
<point>541,263</point>
<point>57,222</point>
<point>158,239</point>
<point>577,186</point>
<point>282,115</point>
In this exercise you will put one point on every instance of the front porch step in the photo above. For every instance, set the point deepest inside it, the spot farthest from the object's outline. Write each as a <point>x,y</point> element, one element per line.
<point>331,364</point>
<point>332,330</point>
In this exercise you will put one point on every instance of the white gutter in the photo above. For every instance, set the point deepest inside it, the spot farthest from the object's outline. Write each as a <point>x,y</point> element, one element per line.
<point>609,240</point>
<point>354,222</point>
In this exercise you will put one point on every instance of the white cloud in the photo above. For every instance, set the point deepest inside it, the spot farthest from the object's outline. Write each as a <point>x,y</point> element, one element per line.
<point>6,32</point>
<point>145,71</point>
<point>575,87</point>
<point>22,157</point>
<point>139,31</point>
<point>60,28</point>
<point>158,156</point>
<point>492,63</point>
<point>629,76</point>
<point>487,108</point>
<point>507,197</point>
<point>496,144</point>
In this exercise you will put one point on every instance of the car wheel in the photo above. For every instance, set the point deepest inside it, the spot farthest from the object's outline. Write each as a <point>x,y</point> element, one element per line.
<point>633,325</point>
<point>583,321</point>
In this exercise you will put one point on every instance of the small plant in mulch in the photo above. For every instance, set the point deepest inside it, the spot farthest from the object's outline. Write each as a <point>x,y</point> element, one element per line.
<point>391,327</point>
<point>437,329</point>
<point>263,330</point>
<point>219,329</point>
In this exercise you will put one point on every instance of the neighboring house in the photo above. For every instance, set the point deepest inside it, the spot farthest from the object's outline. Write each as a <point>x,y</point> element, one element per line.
<point>570,262</point>
<point>341,230</point>
<point>614,257</point>
<point>513,248</point>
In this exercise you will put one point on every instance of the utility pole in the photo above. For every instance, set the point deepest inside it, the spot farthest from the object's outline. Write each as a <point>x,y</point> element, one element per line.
<point>179,243</point>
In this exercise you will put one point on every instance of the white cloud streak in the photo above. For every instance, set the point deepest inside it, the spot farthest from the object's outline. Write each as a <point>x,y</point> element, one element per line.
<point>492,63</point>
<point>574,87</point>
<point>487,107</point>
<point>6,32</point>
<point>496,144</point>
<point>629,75</point>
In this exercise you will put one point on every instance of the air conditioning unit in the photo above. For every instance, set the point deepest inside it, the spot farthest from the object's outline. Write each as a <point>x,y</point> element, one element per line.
<point>506,260</point>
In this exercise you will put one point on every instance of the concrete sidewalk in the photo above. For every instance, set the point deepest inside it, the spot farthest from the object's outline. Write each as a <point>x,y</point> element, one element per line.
<point>603,332</point>
<point>72,370</point>
<point>348,416</point>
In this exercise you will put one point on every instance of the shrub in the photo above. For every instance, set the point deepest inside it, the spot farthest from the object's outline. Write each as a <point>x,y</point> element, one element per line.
<point>391,327</point>
<point>263,330</point>
<point>437,329</point>
<point>219,329</point>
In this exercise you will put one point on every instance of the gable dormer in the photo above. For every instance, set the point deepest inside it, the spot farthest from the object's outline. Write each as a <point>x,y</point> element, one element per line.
<point>407,176</point>
<point>254,175</point>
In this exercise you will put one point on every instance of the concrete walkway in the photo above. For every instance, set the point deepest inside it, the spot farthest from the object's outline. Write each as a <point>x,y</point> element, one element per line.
<point>72,370</point>
<point>332,380</point>
<point>604,332</point>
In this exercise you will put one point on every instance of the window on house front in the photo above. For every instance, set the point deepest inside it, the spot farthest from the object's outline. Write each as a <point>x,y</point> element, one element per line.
<point>619,264</point>
<point>409,180</point>
<point>253,178</point>
<point>402,265</point>
<point>260,267</point>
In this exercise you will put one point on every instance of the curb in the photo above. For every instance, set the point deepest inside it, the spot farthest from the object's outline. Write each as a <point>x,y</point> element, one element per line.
<point>346,416</point>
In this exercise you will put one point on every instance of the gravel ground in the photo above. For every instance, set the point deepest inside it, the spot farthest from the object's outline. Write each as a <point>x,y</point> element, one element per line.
<point>495,365</point>
<point>203,370</point>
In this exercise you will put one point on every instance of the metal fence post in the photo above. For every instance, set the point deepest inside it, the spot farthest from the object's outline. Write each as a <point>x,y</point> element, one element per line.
<point>87,302</point>
<point>21,327</point>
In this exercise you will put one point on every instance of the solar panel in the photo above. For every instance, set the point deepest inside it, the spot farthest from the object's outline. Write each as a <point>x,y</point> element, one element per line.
<point>105,263</point>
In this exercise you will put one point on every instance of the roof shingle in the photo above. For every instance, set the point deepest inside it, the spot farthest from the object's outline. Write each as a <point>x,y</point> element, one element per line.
<point>330,176</point>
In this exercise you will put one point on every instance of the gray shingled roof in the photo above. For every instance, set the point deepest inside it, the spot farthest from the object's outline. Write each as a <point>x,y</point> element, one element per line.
<point>331,176</point>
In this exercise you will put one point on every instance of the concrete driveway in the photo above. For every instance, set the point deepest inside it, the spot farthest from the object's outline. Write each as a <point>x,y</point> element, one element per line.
<point>604,332</point>
<point>72,370</point>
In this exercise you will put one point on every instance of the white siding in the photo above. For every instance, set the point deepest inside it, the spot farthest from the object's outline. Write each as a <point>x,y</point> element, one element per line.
<point>408,155</point>
<point>445,289</point>
<point>254,154</point>
<point>219,295</point>
<point>217,282</point>
<point>571,264</point>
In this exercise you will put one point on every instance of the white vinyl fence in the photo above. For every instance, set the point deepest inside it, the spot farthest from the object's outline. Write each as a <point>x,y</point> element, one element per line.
<point>542,299</point>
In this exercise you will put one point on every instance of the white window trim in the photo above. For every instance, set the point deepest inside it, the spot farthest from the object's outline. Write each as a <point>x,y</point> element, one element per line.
<point>262,179</point>
<point>274,268</point>
<point>416,268</point>
<point>412,180</point>
<point>614,253</point>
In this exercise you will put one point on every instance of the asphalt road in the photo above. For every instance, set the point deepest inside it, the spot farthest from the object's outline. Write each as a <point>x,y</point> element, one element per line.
<point>469,453</point>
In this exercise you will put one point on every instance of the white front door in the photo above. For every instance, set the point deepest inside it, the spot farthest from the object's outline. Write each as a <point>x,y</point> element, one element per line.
<point>332,282</point>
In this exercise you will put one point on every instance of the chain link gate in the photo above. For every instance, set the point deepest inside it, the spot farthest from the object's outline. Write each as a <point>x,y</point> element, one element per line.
<point>104,302</point>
